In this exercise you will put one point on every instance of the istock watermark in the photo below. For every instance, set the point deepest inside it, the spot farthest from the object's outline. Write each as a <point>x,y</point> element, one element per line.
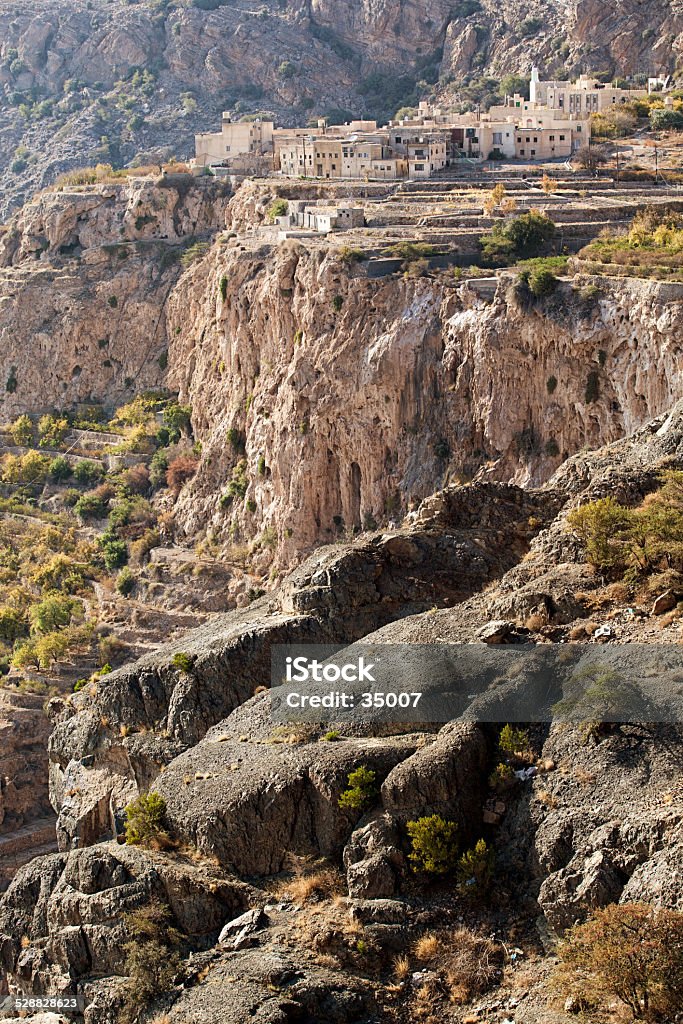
<point>432,683</point>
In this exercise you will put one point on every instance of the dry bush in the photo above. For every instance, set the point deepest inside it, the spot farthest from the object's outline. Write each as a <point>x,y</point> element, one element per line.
<point>536,621</point>
<point>632,952</point>
<point>182,469</point>
<point>136,479</point>
<point>427,946</point>
<point>313,880</point>
<point>471,963</point>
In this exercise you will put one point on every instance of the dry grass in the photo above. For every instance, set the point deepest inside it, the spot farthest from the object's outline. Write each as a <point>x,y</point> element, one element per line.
<point>471,964</point>
<point>427,946</point>
<point>536,621</point>
<point>547,799</point>
<point>401,967</point>
<point>311,881</point>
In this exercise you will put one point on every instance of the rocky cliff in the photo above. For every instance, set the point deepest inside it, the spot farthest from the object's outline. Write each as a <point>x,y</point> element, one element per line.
<point>82,83</point>
<point>84,280</point>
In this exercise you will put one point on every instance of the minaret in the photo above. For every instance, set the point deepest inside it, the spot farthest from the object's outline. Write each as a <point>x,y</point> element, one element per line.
<point>533,85</point>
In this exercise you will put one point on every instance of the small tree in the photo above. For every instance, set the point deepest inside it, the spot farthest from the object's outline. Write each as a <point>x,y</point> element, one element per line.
<point>632,952</point>
<point>22,431</point>
<point>434,844</point>
<point>361,790</point>
<point>145,820</point>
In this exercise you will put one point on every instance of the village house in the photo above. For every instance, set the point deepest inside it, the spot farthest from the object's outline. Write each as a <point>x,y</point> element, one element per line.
<point>320,218</point>
<point>235,141</point>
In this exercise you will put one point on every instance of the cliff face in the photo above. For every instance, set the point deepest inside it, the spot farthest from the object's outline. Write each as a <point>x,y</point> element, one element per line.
<point>84,277</point>
<point>326,400</point>
<point>82,83</point>
<point>349,398</point>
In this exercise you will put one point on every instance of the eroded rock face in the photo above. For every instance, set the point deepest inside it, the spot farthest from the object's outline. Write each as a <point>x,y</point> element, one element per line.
<point>354,414</point>
<point>24,729</point>
<point>68,909</point>
<point>83,283</point>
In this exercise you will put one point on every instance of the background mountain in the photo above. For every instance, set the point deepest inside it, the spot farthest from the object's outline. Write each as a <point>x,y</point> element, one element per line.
<point>87,81</point>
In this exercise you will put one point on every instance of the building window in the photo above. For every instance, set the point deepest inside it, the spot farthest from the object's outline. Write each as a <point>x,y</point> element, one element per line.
<point>552,138</point>
<point>561,138</point>
<point>521,152</point>
<point>533,152</point>
<point>419,167</point>
<point>497,138</point>
<point>535,138</point>
<point>578,127</point>
<point>528,139</point>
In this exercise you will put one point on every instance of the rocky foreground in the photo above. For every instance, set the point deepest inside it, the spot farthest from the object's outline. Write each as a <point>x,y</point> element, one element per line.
<point>246,801</point>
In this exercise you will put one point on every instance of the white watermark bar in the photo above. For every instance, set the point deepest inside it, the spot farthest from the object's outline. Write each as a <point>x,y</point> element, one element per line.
<point>364,684</point>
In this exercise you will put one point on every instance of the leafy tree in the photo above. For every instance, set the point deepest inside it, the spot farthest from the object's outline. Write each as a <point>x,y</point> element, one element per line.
<point>52,612</point>
<point>434,844</point>
<point>52,430</point>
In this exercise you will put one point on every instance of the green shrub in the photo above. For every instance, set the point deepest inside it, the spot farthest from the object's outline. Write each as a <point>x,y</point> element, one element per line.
<point>91,506</point>
<point>434,844</point>
<point>332,736</point>
<point>551,384</point>
<point>603,526</point>
<point>502,777</point>
<point>523,236</point>
<point>88,472</point>
<point>125,582</point>
<point>409,251</point>
<point>145,821</point>
<point>52,431</point>
<point>51,613</point>
<point>157,469</point>
<point>361,790</point>
<point>115,552</point>
<point>663,119</point>
<point>223,288</point>
<point>278,208</point>
<point>236,440</point>
<point>592,387</point>
<point>152,960</point>
<point>182,661</point>
<point>60,469</point>
<point>337,303</point>
<point>632,952</point>
<point>512,741</point>
<point>542,283</point>
<point>475,870</point>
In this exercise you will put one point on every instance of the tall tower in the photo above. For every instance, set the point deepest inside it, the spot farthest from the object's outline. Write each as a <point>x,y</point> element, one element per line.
<point>533,85</point>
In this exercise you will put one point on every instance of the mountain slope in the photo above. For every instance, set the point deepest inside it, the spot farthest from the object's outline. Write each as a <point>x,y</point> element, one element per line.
<point>89,82</point>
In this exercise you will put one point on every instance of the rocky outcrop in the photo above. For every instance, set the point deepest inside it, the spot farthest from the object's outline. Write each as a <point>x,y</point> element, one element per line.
<point>62,918</point>
<point>103,750</point>
<point>24,729</point>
